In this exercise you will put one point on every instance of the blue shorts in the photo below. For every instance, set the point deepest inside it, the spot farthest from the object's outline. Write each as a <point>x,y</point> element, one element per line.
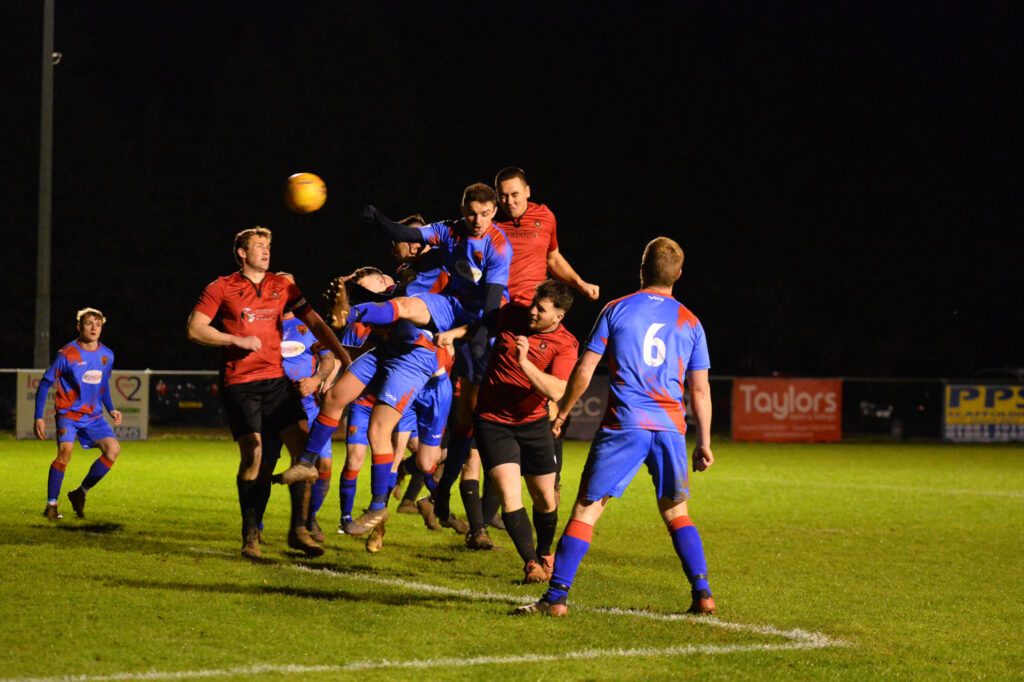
<point>87,431</point>
<point>446,311</point>
<point>616,455</point>
<point>364,367</point>
<point>402,376</point>
<point>431,409</point>
<point>359,422</point>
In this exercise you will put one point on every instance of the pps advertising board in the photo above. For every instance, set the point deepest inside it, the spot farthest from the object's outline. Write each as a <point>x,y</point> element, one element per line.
<point>129,391</point>
<point>979,413</point>
<point>787,410</point>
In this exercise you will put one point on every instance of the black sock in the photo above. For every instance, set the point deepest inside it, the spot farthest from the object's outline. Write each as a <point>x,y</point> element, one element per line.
<point>261,496</point>
<point>470,491</point>
<point>517,525</point>
<point>299,493</point>
<point>415,485</point>
<point>546,524</point>
<point>489,502</point>
<point>246,502</point>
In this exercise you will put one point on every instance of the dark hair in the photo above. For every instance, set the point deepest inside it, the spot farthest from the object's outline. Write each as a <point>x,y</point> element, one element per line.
<point>559,292</point>
<point>479,192</point>
<point>663,259</point>
<point>414,218</point>
<point>243,237</point>
<point>509,173</point>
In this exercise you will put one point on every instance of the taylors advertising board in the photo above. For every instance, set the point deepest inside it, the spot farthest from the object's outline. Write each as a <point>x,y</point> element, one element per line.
<point>129,391</point>
<point>787,410</point>
<point>976,413</point>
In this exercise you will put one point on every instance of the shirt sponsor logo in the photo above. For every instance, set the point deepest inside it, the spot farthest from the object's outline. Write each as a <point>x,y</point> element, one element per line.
<point>93,376</point>
<point>467,271</point>
<point>291,349</point>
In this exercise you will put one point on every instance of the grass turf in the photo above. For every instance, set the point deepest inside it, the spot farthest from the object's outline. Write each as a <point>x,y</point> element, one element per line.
<point>908,555</point>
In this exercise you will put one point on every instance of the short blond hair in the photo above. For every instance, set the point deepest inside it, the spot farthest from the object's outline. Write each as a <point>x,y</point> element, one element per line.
<point>662,263</point>
<point>89,312</point>
<point>243,237</point>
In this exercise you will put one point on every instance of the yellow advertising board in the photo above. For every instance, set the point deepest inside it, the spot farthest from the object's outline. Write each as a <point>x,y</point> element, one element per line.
<point>980,413</point>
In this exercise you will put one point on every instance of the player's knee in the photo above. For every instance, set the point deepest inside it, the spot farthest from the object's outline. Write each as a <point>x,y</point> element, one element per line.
<point>64,453</point>
<point>112,451</point>
<point>323,466</point>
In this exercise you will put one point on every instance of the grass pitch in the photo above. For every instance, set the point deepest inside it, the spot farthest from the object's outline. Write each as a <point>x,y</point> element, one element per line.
<point>851,561</point>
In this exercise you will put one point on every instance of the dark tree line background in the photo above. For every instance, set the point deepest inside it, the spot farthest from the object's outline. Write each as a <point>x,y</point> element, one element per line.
<point>844,177</point>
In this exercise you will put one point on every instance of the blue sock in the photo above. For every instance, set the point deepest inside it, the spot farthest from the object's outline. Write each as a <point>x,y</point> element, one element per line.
<point>54,481</point>
<point>319,491</point>
<point>428,478</point>
<point>571,549</point>
<point>380,477</point>
<point>98,470</point>
<point>686,541</point>
<point>347,491</point>
<point>374,313</point>
<point>320,433</point>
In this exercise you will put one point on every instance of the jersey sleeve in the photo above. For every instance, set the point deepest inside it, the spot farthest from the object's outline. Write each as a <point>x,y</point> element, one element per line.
<point>108,401</point>
<point>564,360</point>
<point>553,242</point>
<point>699,358</point>
<point>499,259</point>
<point>210,299</point>
<point>296,302</point>
<point>435,234</point>
<point>598,339</point>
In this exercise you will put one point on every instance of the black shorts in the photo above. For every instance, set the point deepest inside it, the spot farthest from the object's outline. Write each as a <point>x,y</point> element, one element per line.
<point>265,406</point>
<point>529,445</point>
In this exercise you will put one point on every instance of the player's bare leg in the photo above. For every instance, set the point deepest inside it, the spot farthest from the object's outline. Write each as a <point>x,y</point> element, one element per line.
<point>545,516</point>
<point>250,452</point>
<point>355,454</point>
<point>690,550</point>
<point>294,438</point>
<point>383,420</point>
<point>507,480</point>
<point>56,478</point>
<point>110,450</point>
<point>343,392</point>
<point>572,547</point>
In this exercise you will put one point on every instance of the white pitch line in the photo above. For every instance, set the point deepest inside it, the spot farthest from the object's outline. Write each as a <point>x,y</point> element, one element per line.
<point>798,640</point>
<point>795,635</point>
<point>1013,494</point>
<point>359,666</point>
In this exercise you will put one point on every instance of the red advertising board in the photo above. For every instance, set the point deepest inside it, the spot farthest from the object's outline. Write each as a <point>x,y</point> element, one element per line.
<point>787,410</point>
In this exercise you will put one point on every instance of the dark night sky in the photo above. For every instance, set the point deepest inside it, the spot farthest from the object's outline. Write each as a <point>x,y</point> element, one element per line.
<point>844,177</point>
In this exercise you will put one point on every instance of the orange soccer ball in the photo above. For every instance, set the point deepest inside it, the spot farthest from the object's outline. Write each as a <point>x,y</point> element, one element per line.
<point>305,192</point>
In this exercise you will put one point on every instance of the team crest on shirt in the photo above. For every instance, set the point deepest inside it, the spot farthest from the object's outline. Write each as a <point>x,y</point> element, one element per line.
<point>103,360</point>
<point>543,346</point>
<point>536,223</point>
<point>478,256</point>
<point>276,294</point>
<point>303,329</point>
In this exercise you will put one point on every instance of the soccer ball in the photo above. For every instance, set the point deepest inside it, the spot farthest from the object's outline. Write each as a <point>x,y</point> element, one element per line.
<point>305,193</point>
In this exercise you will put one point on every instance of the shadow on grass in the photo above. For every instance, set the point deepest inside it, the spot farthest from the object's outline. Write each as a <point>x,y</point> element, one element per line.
<point>92,528</point>
<point>326,593</point>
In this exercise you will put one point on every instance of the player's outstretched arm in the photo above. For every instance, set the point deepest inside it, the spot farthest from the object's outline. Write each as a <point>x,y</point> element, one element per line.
<point>560,268</point>
<point>700,403</point>
<point>395,231</point>
<point>577,385</point>
<point>202,332</point>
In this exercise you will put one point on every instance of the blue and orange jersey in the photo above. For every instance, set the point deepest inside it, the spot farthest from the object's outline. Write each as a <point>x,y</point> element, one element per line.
<point>82,378</point>
<point>426,275</point>
<point>471,263</point>
<point>296,349</point>
<point>651,340</point>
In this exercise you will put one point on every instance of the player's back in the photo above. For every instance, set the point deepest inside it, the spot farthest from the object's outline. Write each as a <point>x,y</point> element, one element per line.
<point>650,341</point>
